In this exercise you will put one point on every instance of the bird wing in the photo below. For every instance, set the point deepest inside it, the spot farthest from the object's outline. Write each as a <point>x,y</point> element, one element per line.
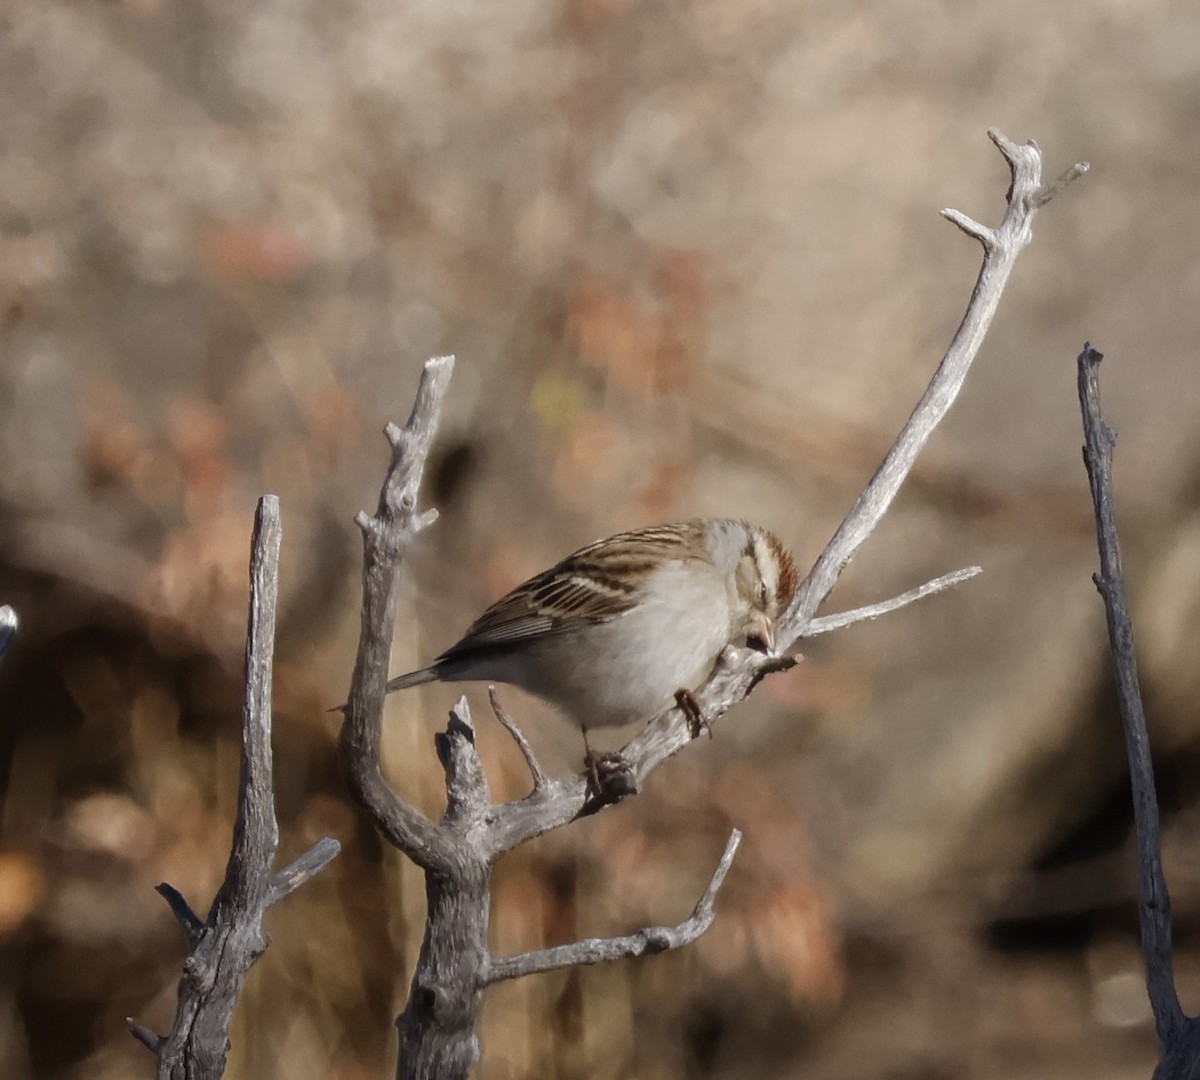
<point>596,584</point>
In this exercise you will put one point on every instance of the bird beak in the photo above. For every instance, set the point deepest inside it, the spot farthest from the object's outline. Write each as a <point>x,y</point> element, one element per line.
<point>764,631</point>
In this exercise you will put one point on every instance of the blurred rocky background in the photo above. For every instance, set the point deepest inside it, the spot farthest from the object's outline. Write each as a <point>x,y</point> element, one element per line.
<point>689,258</point>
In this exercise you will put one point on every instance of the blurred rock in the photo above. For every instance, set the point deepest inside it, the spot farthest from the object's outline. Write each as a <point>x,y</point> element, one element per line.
<point>690,260</point>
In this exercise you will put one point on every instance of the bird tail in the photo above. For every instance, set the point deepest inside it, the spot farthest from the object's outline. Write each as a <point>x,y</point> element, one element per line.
<point>402,682</point>
<point>413,678</point>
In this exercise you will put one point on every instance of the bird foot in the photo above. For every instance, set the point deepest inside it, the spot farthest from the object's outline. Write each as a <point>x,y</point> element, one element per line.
<point>696,719</point>
<point>610,777</point>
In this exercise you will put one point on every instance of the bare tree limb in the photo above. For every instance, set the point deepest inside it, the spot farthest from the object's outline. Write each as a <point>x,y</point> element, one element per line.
<point>256,832</point>
<point>386,537</point>
<point>825,623</point>
<point>145,1036</point>
<point>228,942</point>
<point>437,1027</point>
<point>1065,180</point>
<point>1155,908</point>
<point>302,868</point>
<point>467,797</point>
<point>192,924</point>
<point>1181,1060</point>
<point>437,1024</point>
<point>652,939</point>
<point>1001,246</point>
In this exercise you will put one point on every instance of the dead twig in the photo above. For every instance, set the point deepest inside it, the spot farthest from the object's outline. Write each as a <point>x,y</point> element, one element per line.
<point>825,623</point>
<point>1178,1035</point>
<point>510,725</point>
<point>226,944</point>
<point>652,939</point>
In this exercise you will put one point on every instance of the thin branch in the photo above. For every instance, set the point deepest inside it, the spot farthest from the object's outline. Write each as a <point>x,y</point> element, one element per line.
<point>297,872</point>
<point>437,1036</point>
<point>1001,248</point>
<point>1155,908</point>
<point>1069,177</point>
<point>386,537</point>
<point>256,832</point>
<point>145,1036</point>
<point>192,924</point>
<point>225,946</point>
<point>986,236</point>
<point>653,939</point>
<point>825,623</point>
<point>510,725</point>
<point>467,797</point>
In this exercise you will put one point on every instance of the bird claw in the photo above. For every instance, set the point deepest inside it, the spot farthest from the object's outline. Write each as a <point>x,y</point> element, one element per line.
<point>697,721</point>
<point>610,776</point>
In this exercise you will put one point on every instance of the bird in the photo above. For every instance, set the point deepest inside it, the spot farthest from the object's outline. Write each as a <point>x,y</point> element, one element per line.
<point>614,631</point>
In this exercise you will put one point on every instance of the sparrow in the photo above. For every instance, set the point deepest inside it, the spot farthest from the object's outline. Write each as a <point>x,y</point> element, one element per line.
<point>613,632</point>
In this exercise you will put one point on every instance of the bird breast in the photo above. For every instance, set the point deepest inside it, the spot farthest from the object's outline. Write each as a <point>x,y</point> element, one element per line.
<point>629,668</point>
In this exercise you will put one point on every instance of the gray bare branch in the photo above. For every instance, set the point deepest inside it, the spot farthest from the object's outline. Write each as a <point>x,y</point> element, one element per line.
<point>1001,247</point>
<point>826,623</point>
<point>226,944</point>
<point>652,939</point>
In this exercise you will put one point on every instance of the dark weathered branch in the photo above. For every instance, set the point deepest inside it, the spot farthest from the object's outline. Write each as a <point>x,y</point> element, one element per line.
<point>226,944</point>
<point>1155,908</point>
<point>8,628</point>
<point>145,1036</point>
<point>653,939</point>
<point>255,832</point>
<point>192,924</point>
<point>302,868</point>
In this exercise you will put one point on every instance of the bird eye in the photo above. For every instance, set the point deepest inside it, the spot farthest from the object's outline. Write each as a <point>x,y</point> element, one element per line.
<point>762,595</point>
